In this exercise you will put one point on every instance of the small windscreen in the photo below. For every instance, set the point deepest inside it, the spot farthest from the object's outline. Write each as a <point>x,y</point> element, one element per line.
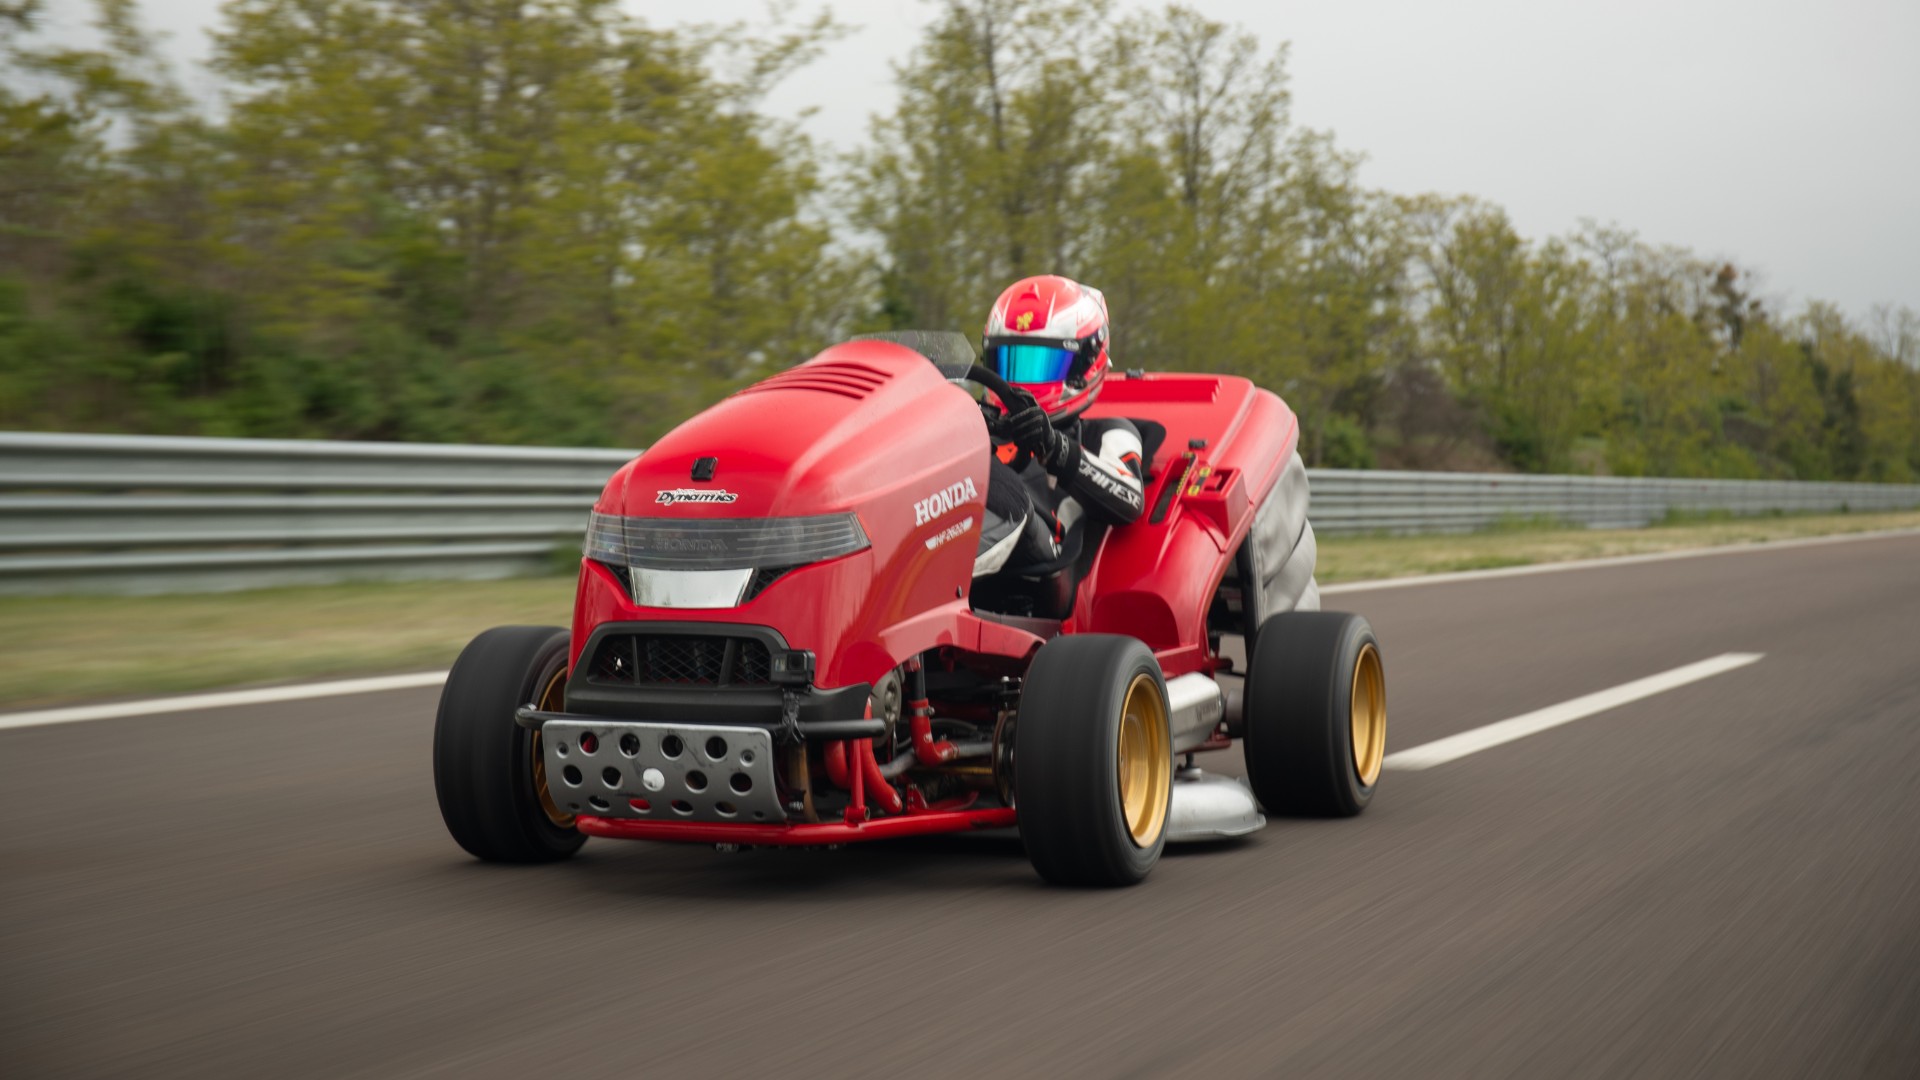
<point>951,353</point>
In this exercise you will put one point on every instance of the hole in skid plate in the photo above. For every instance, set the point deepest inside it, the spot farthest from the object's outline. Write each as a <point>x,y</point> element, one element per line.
<point>630,744</point>
<point>682,806</point>
<point>571,775</point>
<point>641,805</point>
<point>610,776</point>
<point>599,803</point>
<point>671,746</point>
<point>746,757</point>
<point>589,742</point>
<point>741,783</point>
<point>726,809</point>
<point>561,749</point>
<point>716,748</point>
<point>696,781</point>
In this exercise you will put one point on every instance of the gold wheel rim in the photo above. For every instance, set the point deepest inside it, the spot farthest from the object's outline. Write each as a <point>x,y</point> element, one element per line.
<point>1145,760</point>
<point>1368,715</point>
<point>549,699</point>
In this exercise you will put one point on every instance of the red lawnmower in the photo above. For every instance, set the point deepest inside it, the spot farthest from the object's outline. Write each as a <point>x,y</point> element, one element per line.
<point>778,638</point>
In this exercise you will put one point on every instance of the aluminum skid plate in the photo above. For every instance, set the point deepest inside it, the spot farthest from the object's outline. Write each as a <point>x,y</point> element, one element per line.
<point>1208,806</point>
<point>662,772</point>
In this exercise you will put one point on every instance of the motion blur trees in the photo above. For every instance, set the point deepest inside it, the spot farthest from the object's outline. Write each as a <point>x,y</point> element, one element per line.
<point>992,157</point>
<point>1153,156</point>
<point>545,221</point>
<point>423,219</point>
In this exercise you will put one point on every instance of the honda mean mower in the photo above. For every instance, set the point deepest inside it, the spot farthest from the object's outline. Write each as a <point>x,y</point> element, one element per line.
<point>778,638</point>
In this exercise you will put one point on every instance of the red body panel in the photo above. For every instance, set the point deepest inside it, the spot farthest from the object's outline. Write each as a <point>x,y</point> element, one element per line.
<point>867,426</point>
<point>873,428</point>
<point>1152,580</point>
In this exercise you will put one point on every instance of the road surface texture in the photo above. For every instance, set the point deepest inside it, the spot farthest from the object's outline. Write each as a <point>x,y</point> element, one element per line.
<point>1719,880</point>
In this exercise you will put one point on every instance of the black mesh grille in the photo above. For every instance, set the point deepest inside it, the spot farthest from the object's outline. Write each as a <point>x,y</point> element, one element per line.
<point>762,578</point>
<point>753,666</point>
<point>682,660</point>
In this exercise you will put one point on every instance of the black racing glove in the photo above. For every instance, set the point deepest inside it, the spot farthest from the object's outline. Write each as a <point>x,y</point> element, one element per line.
<point>1032,430</point>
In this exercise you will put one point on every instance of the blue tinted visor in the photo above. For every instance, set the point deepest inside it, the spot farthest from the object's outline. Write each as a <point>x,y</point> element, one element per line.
<point>1030,363</point>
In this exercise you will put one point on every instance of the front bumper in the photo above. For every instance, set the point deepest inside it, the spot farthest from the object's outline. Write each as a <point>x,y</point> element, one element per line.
<point>698,688</point>
<point>661,772</point>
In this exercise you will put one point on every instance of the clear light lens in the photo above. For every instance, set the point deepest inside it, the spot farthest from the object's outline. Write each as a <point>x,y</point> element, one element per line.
<point>723,544</point>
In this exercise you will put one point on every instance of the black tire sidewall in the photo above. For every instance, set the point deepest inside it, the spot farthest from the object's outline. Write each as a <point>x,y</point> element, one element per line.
<point>1299,739</point>
<point>483,759</point>
<point>1066,774</point>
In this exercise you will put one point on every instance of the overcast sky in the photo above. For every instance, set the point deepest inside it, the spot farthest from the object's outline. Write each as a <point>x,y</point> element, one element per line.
<point>1785,136</point>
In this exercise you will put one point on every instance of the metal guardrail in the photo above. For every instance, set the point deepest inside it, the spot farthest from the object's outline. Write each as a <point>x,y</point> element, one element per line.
<point>139,514</point>
<point>1362,501</point>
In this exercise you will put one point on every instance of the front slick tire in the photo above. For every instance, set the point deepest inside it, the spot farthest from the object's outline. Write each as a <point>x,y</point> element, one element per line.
<point>1093,761</point>
<point>487,770</point>
<point>1316,714</point>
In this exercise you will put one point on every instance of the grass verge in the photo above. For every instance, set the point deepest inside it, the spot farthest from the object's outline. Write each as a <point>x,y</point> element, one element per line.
<point>70,648</point>
<point>64,649</point>
<point>1368,558</point>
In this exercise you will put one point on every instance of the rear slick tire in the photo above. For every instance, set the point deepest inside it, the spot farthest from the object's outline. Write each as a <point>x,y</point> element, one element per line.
<point>1093,761</point>
<point>1316,714</point>
<point>487,770</point>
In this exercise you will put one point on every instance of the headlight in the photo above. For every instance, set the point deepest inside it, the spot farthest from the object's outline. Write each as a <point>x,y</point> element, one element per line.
<point>722,544</point>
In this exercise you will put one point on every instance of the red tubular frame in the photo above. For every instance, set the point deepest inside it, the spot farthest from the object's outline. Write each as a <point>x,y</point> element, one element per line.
<point>884,793</point>
<point>804,835</point>
<point>859,781</point>
<point>835,755</point>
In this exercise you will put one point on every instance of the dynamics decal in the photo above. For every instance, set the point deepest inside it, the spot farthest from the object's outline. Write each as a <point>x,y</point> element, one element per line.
<point>695,495</point>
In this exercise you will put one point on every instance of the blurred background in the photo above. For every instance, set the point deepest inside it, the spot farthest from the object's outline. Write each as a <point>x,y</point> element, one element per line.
<point>1487,240</point>
<point>323,321</point>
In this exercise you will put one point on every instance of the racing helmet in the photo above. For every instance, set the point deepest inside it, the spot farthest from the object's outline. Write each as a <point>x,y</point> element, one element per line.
<point>1048,336</point>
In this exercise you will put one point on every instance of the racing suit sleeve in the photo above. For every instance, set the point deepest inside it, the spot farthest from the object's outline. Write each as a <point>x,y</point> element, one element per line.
<point>1103,470</point>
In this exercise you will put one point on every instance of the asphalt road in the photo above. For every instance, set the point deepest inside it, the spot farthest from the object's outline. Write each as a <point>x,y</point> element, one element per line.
<point>1722,880</point>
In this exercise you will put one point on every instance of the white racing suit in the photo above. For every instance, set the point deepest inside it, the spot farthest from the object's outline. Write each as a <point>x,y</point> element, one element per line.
<point>1031,511</point>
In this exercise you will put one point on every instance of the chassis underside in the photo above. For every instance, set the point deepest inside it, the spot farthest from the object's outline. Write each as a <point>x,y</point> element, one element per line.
<point>931,749</point>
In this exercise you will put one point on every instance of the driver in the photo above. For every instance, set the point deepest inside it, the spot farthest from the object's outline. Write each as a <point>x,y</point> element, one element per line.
<point>1048,337</point>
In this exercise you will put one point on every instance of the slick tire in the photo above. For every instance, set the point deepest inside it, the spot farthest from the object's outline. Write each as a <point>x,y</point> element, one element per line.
<point>1316,714</point>
<point>1093,761</point>
<point>486,768</point>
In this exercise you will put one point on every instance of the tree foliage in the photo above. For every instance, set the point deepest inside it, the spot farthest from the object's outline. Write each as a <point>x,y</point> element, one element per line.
<point>547,221</point>
<point>423,219</point>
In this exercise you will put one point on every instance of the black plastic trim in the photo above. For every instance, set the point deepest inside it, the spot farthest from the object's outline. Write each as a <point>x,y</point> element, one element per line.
<point>737,713</point>
<point>838,713</point>
<point>1171,488</point>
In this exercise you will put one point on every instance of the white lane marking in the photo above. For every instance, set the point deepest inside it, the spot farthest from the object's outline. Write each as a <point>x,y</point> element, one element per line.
<point>1611,560</point>
<point>435,678</point>
<point>224,700</point>
<point>1454,747</point>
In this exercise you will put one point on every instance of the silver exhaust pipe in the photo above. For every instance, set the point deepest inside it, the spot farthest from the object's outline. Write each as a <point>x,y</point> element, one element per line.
<point>1195,707</point>
<point>1207,806</point>
<point>1233,694</point>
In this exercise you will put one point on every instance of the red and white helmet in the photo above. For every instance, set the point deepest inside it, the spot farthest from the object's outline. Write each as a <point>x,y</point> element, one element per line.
<point>1048,336</point>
